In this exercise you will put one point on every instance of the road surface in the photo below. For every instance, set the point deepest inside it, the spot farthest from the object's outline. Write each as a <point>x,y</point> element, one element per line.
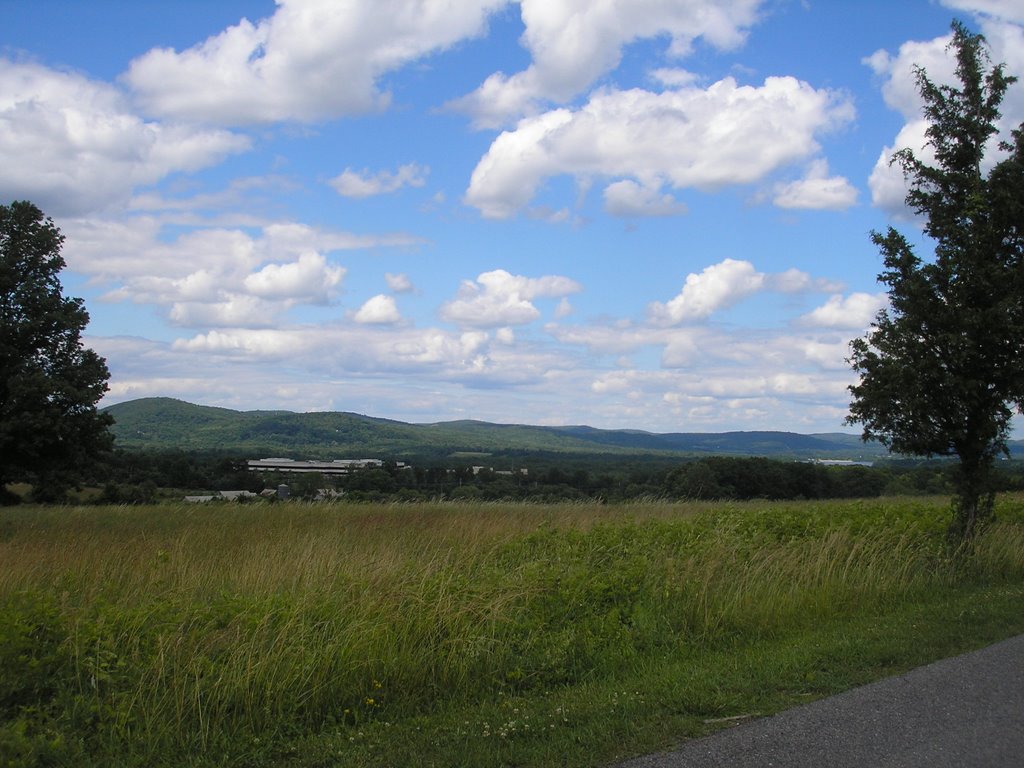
<point>967,712</point>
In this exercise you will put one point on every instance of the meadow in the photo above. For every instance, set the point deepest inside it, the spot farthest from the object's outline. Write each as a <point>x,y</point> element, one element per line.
<point>472,634</point>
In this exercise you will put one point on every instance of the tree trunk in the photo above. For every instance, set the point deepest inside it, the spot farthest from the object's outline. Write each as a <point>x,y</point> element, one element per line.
<point>975,499</point>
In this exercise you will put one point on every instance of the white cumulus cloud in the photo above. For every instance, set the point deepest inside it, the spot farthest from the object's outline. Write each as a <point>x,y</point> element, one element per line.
<point>723,285</point>
<point>856,311</point>
<point>716,287</point>
<point>1003,27</point>
<point>378,310</point>
<point>627,198</point>
<point>687,138</point>
<point>213,277</point>
<point>1010,10</point>
<point>498,298</point>
<point>311,60</point>
<point>309,279</point>
<point>359,184</point>
<point>574,42</point>
<point>816,191</point>
<point>797,281</point>
<point>399,282</point>
<point>230,310</point>
<point>74,146</point>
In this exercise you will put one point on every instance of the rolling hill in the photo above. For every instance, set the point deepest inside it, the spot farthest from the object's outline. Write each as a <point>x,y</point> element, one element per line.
<point>165,423</point>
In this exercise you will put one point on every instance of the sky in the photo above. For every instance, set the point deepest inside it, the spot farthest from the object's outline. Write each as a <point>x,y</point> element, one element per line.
<point>642,214</point>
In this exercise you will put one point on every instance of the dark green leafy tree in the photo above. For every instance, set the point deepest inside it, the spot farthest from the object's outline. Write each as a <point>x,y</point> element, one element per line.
<point>942,370</point>
<point>50,428</point>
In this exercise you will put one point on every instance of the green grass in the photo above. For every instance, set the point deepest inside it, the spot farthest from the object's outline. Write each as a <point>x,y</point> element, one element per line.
<point>465,634</point>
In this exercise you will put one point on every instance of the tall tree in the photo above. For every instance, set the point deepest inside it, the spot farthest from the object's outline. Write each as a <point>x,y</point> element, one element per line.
<point>942,369</point>
<point>49,383</point>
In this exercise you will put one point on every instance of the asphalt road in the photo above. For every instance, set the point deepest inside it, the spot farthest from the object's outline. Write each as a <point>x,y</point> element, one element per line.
<point>967,712</point>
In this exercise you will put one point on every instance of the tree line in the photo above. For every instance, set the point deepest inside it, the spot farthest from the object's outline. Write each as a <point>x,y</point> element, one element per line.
<point>147,476</point>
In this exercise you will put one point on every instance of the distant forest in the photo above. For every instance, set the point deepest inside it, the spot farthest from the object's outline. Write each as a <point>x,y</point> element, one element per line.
<point>168,448</point>
<point>144,476</point>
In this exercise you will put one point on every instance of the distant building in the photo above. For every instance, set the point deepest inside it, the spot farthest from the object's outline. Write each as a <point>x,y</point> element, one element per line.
<point>477,470</point>
<point>335,467</point>
<point>235,495</point>
<point>222,496</point>
<point>842,463</point>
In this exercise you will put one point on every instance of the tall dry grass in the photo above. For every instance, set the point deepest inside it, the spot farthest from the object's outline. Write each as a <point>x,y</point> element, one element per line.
<point>183,628</point>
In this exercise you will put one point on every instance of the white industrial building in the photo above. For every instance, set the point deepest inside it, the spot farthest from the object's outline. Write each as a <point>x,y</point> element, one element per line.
<point>334,467</point>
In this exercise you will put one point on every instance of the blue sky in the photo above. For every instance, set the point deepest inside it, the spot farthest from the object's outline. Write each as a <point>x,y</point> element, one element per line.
<point>646,214</point>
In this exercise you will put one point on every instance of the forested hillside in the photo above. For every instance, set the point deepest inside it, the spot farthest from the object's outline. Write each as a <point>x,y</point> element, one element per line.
<point>162,423</point>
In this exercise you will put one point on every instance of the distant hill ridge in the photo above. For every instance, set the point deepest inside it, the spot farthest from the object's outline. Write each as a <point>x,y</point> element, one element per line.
<point>167,423</point>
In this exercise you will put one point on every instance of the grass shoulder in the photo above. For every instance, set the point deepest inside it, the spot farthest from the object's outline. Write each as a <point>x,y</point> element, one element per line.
<point>657,706</point>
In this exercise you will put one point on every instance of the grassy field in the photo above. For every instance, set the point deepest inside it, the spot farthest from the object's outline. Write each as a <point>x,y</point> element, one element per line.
<point>472,634</point>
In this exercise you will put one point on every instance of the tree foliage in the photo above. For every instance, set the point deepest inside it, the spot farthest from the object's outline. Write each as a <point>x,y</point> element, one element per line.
<point>49,383</point>
<point>943,368</point>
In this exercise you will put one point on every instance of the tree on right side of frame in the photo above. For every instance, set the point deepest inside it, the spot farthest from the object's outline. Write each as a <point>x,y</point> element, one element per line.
<point>50,429</point>
<point>942,369</point>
